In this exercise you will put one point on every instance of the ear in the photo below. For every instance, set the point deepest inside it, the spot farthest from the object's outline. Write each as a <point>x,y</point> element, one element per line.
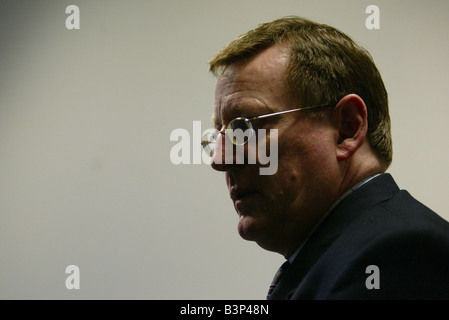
<point>351,119</point>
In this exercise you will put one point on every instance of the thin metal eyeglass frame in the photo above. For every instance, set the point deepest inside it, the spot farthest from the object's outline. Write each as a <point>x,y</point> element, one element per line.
<point>204,144</point>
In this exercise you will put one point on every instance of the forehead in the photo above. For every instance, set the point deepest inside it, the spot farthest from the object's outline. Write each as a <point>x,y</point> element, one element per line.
<point>257,84</point>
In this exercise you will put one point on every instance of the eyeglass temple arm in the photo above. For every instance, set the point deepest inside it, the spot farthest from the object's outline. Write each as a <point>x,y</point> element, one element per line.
<point>288,111</point>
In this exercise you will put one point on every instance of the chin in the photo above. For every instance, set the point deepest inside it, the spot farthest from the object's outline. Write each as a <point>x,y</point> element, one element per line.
<point>247,228</point>
<point>251,229</point>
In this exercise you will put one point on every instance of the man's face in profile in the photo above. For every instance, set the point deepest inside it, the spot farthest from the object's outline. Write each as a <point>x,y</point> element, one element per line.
<point>275,210</point>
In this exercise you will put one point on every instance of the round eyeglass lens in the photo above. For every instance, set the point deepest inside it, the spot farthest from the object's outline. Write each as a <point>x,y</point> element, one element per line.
<point>240,131</point>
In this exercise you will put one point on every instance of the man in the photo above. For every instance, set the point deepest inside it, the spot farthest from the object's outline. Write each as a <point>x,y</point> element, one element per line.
<point>343,225</point>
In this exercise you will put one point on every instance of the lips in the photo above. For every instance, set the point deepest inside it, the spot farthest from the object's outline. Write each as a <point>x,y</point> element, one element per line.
<point>240,193</point>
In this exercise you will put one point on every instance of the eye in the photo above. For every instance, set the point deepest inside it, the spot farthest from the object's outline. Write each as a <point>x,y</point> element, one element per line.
<point>240,131</point>
<point>239,123</point>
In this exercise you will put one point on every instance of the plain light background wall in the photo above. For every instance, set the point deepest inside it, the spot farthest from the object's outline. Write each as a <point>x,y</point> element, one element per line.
<point>85,121</point>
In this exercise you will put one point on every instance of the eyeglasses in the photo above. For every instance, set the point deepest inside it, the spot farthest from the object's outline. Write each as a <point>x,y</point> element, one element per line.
<point>209,139</point>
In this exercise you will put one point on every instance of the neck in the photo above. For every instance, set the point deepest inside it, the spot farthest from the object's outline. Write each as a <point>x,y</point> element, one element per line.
<point>358,168</point>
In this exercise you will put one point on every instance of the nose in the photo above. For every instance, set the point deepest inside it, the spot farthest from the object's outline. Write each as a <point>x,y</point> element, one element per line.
<point>224,155</point>
<point>219,158</point>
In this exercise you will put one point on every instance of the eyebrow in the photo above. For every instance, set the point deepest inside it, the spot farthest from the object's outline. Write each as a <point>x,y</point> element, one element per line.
<point>239,109</point>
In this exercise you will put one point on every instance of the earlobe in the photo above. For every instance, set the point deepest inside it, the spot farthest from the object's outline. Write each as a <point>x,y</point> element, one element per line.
<point>351,119</point>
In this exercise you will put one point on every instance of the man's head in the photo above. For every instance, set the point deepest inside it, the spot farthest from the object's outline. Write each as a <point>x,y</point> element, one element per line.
<point>291,63</point>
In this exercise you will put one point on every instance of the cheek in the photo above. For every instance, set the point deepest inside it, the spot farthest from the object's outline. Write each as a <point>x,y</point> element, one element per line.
<point>311,153</point>
<point>281,187</point>
<point>302,167</point>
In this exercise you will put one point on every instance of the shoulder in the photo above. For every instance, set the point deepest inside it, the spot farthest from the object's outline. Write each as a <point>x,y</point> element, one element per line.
<point>399,243</point>
<point>408,263</point>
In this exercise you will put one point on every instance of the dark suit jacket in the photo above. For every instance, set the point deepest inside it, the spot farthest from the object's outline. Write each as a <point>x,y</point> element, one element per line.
<point>379,225</point>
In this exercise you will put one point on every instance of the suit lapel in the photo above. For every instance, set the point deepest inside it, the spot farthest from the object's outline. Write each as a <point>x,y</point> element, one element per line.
<point>360,200</point>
